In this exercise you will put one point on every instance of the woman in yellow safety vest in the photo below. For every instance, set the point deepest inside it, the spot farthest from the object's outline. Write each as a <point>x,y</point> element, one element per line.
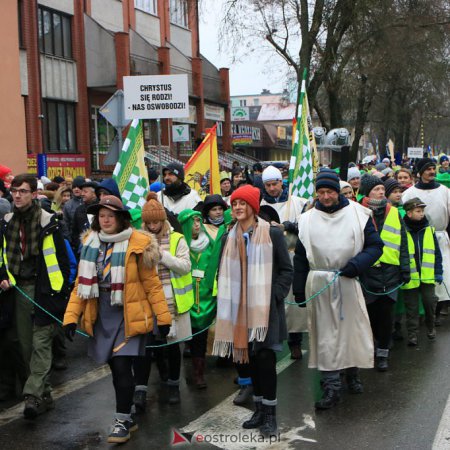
<point>174,271</point>
<point>381,282</point>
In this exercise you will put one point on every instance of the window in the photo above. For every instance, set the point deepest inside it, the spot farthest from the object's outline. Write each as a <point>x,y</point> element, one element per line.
<point>59,127</point>
<point>179,12</point>
<point>54,33</point>
<point>256,102</point>
<point>148,6</point>
<point>242,102</point>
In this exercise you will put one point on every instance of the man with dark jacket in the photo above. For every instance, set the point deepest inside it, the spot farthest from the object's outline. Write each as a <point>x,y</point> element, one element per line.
<point>34,261</point>
<point>177,195</point>
<point>81,220</point>
<point>337,242</point>
<point>71,206</point>
<point>381,282</point>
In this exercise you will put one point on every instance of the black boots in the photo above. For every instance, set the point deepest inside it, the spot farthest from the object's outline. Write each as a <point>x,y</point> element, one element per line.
<point>269,427</point>
<point>354,384</point>
<point>257,418</point>
<point>381,359</point>
<point>245,394</point>
<point>199,371</point>
<point>330,398</point>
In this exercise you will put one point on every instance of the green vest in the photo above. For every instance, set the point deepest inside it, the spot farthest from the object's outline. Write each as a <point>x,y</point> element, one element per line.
<point>54,272</point>
<point>427,262</point>
<point>4,261</point>
<point>181,284</point>
<point>391,237</point>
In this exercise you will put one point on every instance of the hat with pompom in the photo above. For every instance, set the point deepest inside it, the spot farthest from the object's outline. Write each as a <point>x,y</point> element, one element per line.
<point>153,210</point>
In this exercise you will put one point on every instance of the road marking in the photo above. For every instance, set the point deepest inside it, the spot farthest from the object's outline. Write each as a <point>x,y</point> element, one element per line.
<point>16,412</point>
<point>222,426</point>
<point>442,437</point>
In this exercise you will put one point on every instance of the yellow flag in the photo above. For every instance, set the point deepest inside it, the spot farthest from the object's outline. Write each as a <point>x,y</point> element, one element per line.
<point>202,169</point>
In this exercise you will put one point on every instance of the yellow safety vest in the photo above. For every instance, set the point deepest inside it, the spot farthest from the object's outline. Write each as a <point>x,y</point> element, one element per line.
<point>427,261</point>
<point>391,237</point>
<point>181,284</point>
<point>4,261</point>
<point>51,262</point>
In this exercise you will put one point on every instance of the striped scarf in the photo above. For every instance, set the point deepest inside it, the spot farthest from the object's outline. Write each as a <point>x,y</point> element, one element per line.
<point>244,291</point>
<point>164,274</point>
<point>87,269</point>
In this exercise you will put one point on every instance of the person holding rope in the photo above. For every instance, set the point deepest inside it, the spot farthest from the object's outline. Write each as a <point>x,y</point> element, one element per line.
<point>204,253</point>
<point>254,278</point>
<point>174,270</point>
<point>337,242</point>
<point>382,281</point>
<point>35,262</point>
<point>117,293</point>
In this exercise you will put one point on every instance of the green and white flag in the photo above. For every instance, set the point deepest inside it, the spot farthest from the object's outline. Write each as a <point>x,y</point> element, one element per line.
<point>301,176</point>
<point>130,172</point>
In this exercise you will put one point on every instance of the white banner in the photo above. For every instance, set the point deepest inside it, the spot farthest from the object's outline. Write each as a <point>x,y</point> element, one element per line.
<point>415,152</point>
<point>156,96</point>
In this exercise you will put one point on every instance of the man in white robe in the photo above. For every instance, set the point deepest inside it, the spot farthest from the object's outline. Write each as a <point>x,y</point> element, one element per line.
<point>336,236</point>
<point>289,208</point>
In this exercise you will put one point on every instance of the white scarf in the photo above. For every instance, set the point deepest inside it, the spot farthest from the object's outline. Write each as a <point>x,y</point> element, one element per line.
<point>201,243</point>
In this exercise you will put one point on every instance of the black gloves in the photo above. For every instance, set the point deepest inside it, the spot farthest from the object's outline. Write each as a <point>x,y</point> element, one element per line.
<point>406,277</point>
<point>349,271</point>
<point>69,330</point>
<point>300,300</point>
<point>290,227</point>
<point>163,330</point>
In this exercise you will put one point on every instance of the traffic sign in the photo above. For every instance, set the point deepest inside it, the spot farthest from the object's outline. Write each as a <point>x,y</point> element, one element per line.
<point>156,96</point>
<point>112,110</point>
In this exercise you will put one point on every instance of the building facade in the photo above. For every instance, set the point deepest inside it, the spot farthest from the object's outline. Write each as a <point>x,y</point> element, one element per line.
<point>71,56</point>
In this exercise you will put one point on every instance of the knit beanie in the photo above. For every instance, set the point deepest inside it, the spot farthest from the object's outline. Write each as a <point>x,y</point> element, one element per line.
<point>424,164</point>
<point>78,181</point>
<point>353,172</point>
<point>271,173</point>
<point>380,166</point>
<point>443,158</point>
<point>387,171</point>
<point>390,185</point>
<point>368,182</point>
<point>328,179</point>
<point>176,169</point>
<point>153,210</point>
<point>344,184</point>
<point>249,194</point>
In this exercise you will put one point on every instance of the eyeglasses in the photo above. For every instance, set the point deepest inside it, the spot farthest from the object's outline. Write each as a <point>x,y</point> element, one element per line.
<point>20,191</point>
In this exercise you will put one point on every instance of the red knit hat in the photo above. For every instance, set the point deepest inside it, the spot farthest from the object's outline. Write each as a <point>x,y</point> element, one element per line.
<point>249,194</point>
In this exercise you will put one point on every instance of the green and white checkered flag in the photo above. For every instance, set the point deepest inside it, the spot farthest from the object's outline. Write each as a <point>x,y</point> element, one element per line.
<point>301,176</point>
<point>130,172</point>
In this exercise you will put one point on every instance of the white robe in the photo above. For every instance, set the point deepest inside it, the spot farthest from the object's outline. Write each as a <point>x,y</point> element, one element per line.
<point>340,335</point>
<point>296,318</point>
<point>437,212</point>
<point>189,201</point>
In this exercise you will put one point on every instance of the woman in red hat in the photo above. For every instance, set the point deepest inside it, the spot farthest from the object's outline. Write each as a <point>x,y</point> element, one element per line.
<point>255,275</point>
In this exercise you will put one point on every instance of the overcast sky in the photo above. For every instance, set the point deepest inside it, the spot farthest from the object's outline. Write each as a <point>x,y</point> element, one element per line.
<point>247,77</point>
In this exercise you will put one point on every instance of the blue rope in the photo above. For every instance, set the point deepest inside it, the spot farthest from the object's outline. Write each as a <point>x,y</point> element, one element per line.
<point>336,275</point>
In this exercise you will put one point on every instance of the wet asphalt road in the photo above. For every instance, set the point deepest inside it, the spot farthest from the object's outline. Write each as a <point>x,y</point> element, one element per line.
<point>400,409</point>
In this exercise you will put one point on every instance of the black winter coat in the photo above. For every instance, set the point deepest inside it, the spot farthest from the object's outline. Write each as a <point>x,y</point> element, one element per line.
<point>80,224</point>
<point>282,273</point>
<point>386,277</point>
<point>45,296</point>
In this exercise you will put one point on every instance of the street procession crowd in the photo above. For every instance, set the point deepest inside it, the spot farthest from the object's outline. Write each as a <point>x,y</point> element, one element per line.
<point>234,275</point>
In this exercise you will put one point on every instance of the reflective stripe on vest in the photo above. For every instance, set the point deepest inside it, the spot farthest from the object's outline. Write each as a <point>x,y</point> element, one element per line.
<point>4,260</point>
<point>427,264</point>
<point>51,262</point>
<point>181,284</point>
<point>391,237</point>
